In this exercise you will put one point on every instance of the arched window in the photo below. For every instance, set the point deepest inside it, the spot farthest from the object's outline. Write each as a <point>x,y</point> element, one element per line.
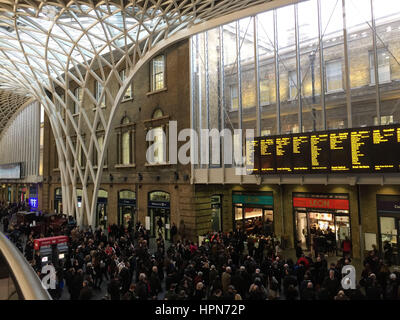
<point>125,146</point>
<point>100,142</point>
<point>157,114</point>
<point>159,138</point>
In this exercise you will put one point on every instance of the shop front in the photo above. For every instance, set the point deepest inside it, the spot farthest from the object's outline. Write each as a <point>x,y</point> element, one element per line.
<point>322,221</point>
<point>127,208</point>
<point>159,214</point>
<point>79,199</point>
<point>22,194</point>
<point>216,213</point>
<point>253,212</point>
<point>58,200</point>
<point>101,209</point>
<point>388,207</point>
<point>33,198</point>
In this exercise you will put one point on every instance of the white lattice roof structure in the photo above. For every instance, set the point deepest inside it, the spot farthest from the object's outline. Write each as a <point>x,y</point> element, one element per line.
<point>10,104</point>
<point>47,45</point>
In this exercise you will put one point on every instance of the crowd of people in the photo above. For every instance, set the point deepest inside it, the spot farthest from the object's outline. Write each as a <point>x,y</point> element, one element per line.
<point>118,264</point>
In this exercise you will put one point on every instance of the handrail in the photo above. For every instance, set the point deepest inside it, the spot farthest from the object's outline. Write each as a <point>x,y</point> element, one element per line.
<point>26,279</point>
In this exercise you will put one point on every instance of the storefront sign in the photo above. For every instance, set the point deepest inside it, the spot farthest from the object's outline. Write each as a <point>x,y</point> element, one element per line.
<point>101,200</point>
<point>267,200</point>
<point>33,203</point>
<point>159,204</point>
<point>127,202</point>
<point>337,204</point>
<point>388,206</point>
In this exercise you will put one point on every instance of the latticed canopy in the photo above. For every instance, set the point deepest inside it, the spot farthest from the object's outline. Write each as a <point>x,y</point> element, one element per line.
<point>50,48</point>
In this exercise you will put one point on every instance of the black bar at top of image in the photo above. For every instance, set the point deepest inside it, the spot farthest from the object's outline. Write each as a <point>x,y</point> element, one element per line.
<point>358,150</point>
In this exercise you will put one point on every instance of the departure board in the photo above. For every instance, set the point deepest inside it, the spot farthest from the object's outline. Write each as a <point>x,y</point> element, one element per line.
<point>361,141</point>
<point>371,149</point>
<point>301,153</point>
<point>283,154</point>
<point>267,155</point>
<point>252,166</point>
<point>385,145</point>
<point>339,148</point>
<point>319,145</point>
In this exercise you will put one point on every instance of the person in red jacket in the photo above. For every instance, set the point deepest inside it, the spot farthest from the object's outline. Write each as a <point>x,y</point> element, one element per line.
<point>304,261</point>
<point>346,247</point>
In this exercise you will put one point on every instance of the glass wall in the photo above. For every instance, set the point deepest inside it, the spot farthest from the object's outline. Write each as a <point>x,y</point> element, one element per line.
<point>311,66</point>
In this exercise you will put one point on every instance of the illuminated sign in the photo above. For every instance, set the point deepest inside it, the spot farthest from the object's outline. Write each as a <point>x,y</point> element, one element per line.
<point>372,149</point>
<point>33,203</point>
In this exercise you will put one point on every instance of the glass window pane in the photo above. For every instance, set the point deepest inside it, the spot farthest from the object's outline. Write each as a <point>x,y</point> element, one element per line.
<point>158,67</point>
<point>266,55</point>
<point>126,148</point>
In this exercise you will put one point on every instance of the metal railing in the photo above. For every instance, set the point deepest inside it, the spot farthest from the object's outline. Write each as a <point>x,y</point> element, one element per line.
<point>27,282</point>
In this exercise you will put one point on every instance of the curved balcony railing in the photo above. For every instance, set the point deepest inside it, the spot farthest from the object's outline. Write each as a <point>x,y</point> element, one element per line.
<point>18,281</point>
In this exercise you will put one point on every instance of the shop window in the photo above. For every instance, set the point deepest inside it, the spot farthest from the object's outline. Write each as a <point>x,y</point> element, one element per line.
<point>216,213</point>
<point>58,200</point>
<point>79,198</point>
<point>129,91</point>
<point>158,73</point>
<point>334,76</point>
<point>322,221</point>
<point>253,213</point>
<point>383,66</point>
<point>127,208</point>
<point>159,214</point>
<point>101,209</point>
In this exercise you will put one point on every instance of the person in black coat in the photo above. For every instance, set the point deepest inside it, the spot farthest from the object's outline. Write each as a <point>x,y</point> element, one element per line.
<point>142,289</point>
<point>77,284</point>
<point>309,292</point>
<point>114,289</point>
<point>372,289</point>
<point>86,292</point>
<point>125,279</point>
<point>155,283</point>
<point>332,284</point>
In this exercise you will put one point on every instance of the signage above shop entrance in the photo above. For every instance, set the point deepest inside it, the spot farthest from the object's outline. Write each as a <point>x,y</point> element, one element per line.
<point>266,200</point>
<point>318,203</point>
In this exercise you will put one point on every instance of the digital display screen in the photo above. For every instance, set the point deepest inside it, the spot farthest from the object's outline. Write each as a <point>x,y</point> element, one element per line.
<point>283,147</point>
<point>301,153</point>
<point>385,147</point>
<point>339,146</point>
<point>361,141</point>
<point>319,145</point>
<point>252,166</point>
<point>372,149</point>
<point>267,155</point>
